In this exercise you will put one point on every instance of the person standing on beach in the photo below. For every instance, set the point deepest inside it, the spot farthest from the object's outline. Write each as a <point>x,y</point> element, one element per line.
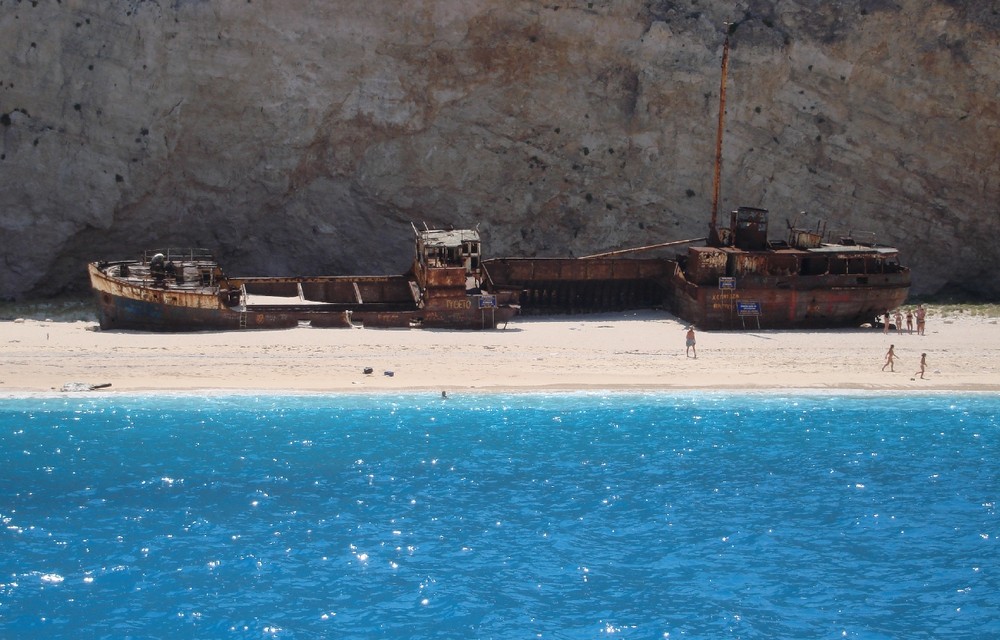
<point>921,316</point>
<point>689,340</point>
<point>899,322</point>
<point>885,323</point>
<point>890,358</point>
<point>909,321</point>
<point>923,365</point>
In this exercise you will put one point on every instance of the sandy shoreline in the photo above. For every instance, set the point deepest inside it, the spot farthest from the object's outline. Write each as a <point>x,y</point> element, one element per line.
<point>622,351</point>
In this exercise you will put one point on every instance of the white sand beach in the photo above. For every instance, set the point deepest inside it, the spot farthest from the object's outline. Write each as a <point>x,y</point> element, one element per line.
<point>642,350</point>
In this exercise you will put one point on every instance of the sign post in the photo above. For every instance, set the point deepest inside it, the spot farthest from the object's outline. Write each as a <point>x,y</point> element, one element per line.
<point>727,294</point>
<point>748,308</point>
<point>487,302</point>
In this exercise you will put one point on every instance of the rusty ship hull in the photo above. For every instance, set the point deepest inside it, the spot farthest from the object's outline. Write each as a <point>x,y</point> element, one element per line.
<point>740,279</point>
<point>186,290</point>
<point>571,285</point>
<point>820,306</point>
<point>782,302</point>
<point>786,301</point>
<point>126,302</point>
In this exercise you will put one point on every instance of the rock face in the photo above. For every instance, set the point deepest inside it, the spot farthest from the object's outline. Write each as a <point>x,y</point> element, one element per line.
<point>304,137</point>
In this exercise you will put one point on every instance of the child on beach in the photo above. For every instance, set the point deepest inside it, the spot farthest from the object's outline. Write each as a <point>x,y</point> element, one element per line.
<point>923,365</point>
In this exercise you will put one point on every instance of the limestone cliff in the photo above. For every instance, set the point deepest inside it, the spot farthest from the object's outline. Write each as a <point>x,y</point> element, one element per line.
<point>304,137</point>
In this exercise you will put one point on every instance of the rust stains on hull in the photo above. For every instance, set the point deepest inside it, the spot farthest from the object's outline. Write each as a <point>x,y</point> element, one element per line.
<point>122,305</point>
<point>820,304</point>
<point>740,280</point>
<point>186,290</point>
<point>570,285</point>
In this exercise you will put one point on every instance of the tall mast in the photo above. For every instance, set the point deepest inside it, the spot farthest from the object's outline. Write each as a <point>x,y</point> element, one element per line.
<point>713,233</point>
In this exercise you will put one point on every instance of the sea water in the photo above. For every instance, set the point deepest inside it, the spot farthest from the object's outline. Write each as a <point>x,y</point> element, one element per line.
<point>570,515</point>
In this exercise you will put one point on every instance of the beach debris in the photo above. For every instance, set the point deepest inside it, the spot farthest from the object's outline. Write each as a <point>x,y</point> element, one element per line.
<point>368,370</point>
<point>83,386</point>
<point>389,373</point>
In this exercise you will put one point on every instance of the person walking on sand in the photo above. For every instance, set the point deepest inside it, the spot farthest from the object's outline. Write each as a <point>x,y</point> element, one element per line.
<point>890,358</point>
<point>921,318</point>
<point>909,321</point>
<point>923,365</point>
<point>689,340</point>
<point>899,322</point>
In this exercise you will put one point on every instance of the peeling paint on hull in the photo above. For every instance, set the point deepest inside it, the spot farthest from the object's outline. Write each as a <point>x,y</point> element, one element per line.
<point>813,303</point>
<point>185,290</point>
<point>126,307</point>
<point>740,282</point>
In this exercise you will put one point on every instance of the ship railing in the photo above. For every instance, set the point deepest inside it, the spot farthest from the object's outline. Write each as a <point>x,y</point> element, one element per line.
<point>853,237</point>
<point>180,255</point>
<point>192,268</point>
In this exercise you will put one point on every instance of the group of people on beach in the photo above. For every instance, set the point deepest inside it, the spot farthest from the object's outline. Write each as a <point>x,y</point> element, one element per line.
<point>920,314</point>
<point>890,361</point>
<point>890,355</point>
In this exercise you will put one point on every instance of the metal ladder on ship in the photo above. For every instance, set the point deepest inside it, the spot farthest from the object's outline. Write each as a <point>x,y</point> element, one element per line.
<point>243,311</point>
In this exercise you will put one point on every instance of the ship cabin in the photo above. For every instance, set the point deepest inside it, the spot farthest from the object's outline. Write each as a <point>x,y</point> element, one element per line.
<point>743,250</point>
<point>448,257</point>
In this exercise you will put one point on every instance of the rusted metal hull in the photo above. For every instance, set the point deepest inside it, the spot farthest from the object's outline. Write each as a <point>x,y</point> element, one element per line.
<point>815,286</point>
<point>332,301</point>
<point>807,302</point>
<point>571,285</point>
<point>769,289</point>
<point>125,306</point>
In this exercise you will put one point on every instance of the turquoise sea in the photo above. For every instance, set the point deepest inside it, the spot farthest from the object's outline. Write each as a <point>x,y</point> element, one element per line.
<point>569,515</point>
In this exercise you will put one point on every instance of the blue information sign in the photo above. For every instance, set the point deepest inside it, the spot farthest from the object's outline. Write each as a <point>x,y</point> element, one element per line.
<point>747,308</point>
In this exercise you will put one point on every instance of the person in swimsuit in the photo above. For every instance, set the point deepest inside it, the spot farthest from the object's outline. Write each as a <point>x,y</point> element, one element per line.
<point>890,358</point>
